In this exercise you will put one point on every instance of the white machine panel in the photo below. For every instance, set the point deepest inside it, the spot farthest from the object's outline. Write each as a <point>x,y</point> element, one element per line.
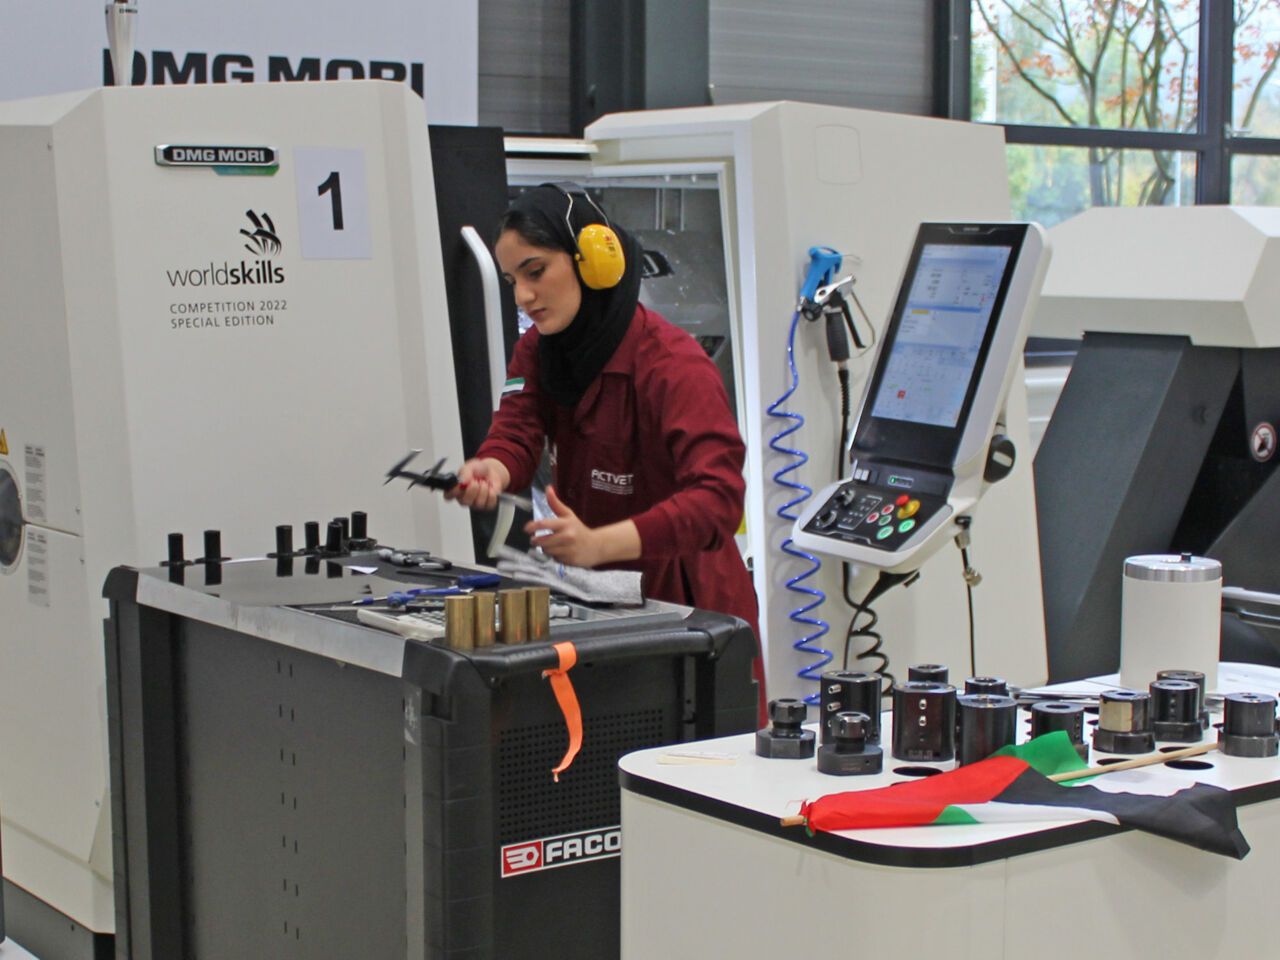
<point>799,175</point>
<point>1210,273</point>
<point>188,347</point>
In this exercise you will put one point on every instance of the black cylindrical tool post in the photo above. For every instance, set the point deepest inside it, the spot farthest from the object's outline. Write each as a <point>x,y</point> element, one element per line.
<point>1196,677</point>
<point>928,673</point>
<point>1249,725</point>
<point>1124,722</point>
<point>990,685</point>
<point>1050,715</point>
<point>1175,711</point>
<point>785,738</point>
<point>848,754</point>
<point>984,723</point>
<point>924,721</point>
<point>842,690</point>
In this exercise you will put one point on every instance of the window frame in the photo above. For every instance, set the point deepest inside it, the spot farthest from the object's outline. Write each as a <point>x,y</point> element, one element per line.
<point>1214,142</point>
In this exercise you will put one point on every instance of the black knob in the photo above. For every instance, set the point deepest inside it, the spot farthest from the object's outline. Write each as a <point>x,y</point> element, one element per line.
<point>359,525</point>
<point>334,538</point>
<point>284,540</point>
<point>175,550</point>
<point>311,531</point>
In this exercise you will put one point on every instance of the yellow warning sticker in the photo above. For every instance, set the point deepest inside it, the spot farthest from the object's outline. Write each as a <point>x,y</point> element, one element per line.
<point>4,444</point>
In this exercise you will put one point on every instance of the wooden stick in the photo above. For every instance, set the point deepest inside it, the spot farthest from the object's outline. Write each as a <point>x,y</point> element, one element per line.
<point>1138,762</point>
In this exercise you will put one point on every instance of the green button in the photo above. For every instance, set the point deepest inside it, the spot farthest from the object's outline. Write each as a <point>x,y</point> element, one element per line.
<point>884,532</point>
<point>905,526</point>
<point>887,518</point>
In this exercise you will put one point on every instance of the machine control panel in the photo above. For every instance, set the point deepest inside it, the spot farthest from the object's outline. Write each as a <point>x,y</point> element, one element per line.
<point>920,447</point>
<point>886,513</point>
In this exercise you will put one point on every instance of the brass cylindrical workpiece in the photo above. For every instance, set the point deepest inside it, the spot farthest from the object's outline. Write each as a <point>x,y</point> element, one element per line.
<point>539,613</point>
<point>486,610</point>
<point>512,617</point>
<point>460,622</point>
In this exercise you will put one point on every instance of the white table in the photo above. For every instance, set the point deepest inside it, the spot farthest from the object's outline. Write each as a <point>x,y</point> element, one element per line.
<point>707,871</point>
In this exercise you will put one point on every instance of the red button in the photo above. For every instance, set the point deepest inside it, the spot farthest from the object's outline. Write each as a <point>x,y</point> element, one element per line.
<point>901,501</point>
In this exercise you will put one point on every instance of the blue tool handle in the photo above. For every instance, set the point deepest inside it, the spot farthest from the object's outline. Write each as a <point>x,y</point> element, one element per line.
<point>479,580</point>
<point>824,263</point>
<point>438,591</point>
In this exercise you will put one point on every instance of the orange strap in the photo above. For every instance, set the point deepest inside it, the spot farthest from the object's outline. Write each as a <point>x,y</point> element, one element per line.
<point>562,686</point>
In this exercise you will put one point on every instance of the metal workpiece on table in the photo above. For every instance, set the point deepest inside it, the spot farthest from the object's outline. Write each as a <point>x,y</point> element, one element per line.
<point>992,685</point>
<point>785,738</point>
<point>460,622</point>
<point>1050,715</point>
<point>1198,678</point>
<point>538,613</point>
<point>1249,725</point>
<point>985,722</point>
<point>842,690</point>
<point>486,617</point>
<point>848,752</point>
<point>513,616</point>
<point>1175,711</point>
<point>1124,722</point>
<point>924,721</point>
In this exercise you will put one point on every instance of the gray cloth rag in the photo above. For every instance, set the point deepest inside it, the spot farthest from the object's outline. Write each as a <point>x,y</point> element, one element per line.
<point>619,587</point>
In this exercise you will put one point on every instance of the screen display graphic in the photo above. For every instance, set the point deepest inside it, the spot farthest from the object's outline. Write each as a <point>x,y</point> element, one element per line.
<point>940,337</point>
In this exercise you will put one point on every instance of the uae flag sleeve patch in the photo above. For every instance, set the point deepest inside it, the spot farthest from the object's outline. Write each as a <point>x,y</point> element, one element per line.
<point>1013,786</point>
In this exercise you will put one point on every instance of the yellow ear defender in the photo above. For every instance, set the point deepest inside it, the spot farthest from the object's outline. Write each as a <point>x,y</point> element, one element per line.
<point>600,260</point>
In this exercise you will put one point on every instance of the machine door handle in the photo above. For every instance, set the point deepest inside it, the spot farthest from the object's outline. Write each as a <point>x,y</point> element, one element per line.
<point>492,312</point>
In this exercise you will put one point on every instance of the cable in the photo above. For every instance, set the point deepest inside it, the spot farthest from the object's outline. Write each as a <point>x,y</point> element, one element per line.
<point>971,579</point>
<point>799,615</point>
<point>866,631</point>
<point>884,582</point>
<point>842,373</point>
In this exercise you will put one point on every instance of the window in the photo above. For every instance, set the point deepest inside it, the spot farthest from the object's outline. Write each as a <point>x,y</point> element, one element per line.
<point>1126,102</point>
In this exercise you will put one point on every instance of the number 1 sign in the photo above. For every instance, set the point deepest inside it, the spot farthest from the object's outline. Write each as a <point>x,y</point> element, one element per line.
<point>333,204</point>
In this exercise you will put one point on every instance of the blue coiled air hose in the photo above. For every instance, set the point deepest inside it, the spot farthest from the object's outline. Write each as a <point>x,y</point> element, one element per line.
<point>808,643</point>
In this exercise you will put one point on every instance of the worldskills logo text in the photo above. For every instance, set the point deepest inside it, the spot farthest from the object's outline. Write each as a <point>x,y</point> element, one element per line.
<point>262,242</point>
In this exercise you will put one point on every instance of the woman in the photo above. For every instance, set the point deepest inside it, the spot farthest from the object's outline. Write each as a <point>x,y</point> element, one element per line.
<point>645,453</point>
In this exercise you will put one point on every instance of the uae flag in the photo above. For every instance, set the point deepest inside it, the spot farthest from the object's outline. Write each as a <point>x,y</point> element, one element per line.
<point>1013,785</point>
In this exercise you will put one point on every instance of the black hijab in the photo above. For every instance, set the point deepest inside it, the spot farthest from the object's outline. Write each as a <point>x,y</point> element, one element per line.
<point>571,359</point>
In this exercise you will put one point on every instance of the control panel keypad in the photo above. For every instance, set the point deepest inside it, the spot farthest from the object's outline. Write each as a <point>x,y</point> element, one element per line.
<point>859,513</point>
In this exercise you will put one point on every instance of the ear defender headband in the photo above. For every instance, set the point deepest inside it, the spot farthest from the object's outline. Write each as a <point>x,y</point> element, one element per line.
<point>600,260</point>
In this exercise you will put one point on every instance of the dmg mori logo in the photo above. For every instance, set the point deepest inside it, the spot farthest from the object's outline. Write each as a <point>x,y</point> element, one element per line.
<point>562,851</point>
<point>263,241</point>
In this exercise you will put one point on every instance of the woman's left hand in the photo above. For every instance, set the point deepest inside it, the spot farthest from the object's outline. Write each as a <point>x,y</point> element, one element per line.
<point>567,539</point>
<point>571,541</point>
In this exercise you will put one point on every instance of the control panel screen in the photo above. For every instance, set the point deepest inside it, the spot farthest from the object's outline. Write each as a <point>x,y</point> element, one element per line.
<point>939,339</point>
<point>937,343</point>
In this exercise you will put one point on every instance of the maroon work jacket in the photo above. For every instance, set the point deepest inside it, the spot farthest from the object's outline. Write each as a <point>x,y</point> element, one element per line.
<point>652,440</point>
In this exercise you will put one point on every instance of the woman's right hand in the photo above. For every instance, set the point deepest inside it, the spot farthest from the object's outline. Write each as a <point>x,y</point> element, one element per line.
<point>480,480</point>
